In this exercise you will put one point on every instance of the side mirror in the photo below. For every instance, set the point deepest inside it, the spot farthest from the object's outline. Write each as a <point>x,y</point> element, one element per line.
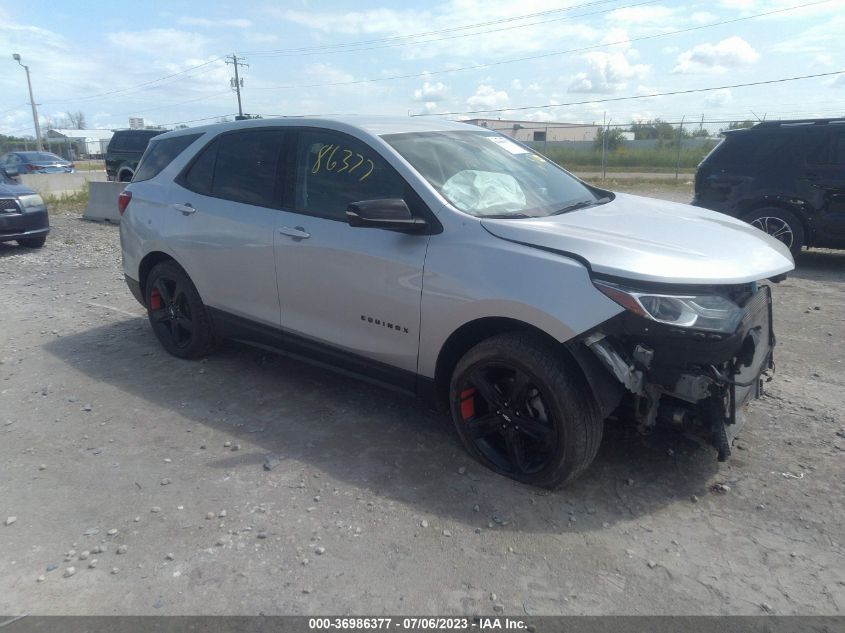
<point>388,213</point>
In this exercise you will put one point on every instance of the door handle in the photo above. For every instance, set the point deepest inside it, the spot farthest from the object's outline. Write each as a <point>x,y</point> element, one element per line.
<point>185,209</point>
<point>297,233</point>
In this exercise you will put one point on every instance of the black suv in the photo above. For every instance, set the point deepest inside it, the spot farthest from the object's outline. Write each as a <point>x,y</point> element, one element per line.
<point>784,177</point>
<point>124,152</point>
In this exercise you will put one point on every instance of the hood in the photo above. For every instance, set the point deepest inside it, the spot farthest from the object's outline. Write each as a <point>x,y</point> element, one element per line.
<point>651,240</point>
<point>13,189</point>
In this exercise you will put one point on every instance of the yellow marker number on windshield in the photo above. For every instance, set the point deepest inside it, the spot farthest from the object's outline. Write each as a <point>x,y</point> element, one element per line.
<point>327,152</point>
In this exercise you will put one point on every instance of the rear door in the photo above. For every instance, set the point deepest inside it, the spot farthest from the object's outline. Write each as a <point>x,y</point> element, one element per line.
<point>223,209</point>
<point>355,289</point>
<point>825,173</point>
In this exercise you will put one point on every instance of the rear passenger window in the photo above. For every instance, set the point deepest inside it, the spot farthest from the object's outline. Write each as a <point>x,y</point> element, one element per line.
<point>334,170</point>
<point>239,166</point>
<point>160,154</point>
<point>744,147</point>
<point>200,175</point>
<point>245,170</point>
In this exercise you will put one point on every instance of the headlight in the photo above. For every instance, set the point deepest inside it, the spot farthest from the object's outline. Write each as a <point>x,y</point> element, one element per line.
<point>31,201</point>
<point>710,312</point>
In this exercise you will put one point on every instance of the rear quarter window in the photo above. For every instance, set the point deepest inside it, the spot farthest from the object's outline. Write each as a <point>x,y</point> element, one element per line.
<point>160,154</point>
<point>749,149</point>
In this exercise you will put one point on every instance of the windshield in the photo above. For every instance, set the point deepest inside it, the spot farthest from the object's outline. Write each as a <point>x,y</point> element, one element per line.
<point>488,175</point>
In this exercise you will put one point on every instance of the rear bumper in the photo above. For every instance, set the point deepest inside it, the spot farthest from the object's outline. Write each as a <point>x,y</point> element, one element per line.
<point>29,225</point>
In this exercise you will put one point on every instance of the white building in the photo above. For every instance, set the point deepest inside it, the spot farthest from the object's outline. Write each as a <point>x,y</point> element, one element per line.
<point>136,123</point>
<point>89,142</point>
<point>527,131</point>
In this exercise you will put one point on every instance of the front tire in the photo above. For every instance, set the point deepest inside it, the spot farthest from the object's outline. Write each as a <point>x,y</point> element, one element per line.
<point>522,409</point>
<point>33,242</point>
<point>780,224</point>
<point>176,312</point>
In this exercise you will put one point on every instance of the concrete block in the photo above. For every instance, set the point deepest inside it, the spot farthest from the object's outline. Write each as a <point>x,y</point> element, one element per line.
<point>102,201</point>
<point>58,185</point>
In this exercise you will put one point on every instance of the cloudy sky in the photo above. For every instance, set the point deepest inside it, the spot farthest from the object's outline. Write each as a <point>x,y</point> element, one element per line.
<point>163,60</point>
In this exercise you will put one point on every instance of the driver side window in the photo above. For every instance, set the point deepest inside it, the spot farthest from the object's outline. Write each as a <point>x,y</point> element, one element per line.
<point>334,170</point>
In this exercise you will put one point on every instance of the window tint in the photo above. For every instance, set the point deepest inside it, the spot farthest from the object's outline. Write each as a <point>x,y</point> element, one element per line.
<point>245,169</point>
<point>160,154</point>
<point>200,175</point>
<point>744,147</point>
<point>334,170</point>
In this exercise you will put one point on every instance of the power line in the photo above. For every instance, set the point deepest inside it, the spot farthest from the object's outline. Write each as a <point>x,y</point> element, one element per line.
<point>327,51</point>
<point>427,33</point>
<point>629,98</point>
<point>542,55</point>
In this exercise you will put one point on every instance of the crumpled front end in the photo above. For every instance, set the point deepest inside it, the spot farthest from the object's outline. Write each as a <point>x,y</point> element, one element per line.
<point>688,377</point>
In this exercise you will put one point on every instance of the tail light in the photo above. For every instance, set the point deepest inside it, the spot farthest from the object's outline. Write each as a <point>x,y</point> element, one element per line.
<point>123,201</point>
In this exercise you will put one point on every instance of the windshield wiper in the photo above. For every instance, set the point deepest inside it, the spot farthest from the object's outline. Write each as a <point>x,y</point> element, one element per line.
<point>504,216</point>
<point>583,204</point>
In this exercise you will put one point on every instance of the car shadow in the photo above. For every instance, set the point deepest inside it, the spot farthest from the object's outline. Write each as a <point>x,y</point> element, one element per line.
<point>7,249</point>
<point>819,265</point>
<point>373,438</point>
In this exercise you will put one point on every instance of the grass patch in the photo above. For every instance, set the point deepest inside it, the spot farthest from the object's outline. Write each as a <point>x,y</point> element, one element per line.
<point>67,203</point>
<point>630,159</point>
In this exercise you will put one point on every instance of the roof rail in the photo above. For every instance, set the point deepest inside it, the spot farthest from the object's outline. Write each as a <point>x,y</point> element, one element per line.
<point>800,122</point>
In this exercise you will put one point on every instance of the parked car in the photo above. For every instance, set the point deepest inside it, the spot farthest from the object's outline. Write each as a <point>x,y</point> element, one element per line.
<point>23,214</point>
<point>35,163</point>
<point>784,177</point>
<point>124,151</point>
<point>448,261</point>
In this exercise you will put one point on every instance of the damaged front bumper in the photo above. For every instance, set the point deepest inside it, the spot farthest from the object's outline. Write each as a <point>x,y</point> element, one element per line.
<point>683,377</point>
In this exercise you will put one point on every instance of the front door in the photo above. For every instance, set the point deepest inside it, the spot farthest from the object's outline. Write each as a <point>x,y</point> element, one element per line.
<point>829,179</point>
<point>357,290</point>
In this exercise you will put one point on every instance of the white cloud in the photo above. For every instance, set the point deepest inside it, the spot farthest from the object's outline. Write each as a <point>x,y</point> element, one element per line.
<point>431,92</point>
<point>159,41</point>
<point>607,73</point>
<point>718,98</point>
<point>238,23</point>
<point>486,97</point>
<point>717,58</point>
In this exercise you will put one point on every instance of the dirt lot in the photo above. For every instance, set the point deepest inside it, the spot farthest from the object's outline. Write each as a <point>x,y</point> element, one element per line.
<point>108,442</point>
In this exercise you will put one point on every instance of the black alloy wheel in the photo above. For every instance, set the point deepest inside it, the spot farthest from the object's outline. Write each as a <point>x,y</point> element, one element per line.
<point>176,312</point>
<point>507,418</point>
<point>523,408</point>
<point>170,312</point>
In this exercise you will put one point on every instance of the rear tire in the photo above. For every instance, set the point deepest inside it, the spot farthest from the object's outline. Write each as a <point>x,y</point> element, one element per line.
<point>524,410</point>
<point>176,312</point>
<point>781,224</point>
<point>33,242</point>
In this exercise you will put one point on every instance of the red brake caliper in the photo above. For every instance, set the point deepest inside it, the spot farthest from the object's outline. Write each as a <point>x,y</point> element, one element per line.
<point>155,300</point>
<point>468,403</point>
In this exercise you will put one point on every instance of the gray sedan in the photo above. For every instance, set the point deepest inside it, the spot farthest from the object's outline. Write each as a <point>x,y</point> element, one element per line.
<point>35,163</point>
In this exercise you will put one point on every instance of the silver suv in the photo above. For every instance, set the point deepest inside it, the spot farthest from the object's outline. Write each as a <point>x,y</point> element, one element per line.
<point>451,262</point>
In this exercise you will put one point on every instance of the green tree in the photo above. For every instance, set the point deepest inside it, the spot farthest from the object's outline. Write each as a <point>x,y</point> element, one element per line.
<point>615,137</point>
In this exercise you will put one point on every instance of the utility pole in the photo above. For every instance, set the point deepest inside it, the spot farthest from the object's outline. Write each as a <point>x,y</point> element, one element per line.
<point>237,83</point>
<point>38,145</point>
<point>680,141</point>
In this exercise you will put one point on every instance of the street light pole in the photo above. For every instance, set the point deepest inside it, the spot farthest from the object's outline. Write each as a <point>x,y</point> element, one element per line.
<point>38,145</point>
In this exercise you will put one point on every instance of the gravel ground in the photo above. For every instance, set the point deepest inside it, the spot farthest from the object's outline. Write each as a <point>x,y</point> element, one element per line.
<point>136,484</point>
